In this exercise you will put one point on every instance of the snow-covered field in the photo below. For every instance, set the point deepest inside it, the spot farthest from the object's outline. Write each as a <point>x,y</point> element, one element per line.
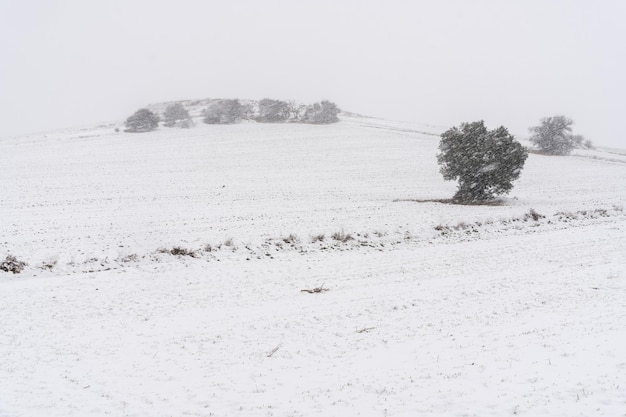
<point>429,309</point>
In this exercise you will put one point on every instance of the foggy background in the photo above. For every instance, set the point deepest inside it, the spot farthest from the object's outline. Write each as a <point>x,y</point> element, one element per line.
<point>75,62</point>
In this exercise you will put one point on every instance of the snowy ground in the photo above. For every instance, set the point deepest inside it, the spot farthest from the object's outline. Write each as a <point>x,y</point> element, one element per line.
<point>430,309</point>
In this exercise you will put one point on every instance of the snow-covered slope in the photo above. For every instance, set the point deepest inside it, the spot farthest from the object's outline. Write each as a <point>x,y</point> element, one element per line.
<point>430,308</point>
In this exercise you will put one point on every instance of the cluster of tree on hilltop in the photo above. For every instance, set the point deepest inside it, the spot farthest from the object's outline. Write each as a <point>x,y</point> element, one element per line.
<point>270,111</point>
<point>229,111</point>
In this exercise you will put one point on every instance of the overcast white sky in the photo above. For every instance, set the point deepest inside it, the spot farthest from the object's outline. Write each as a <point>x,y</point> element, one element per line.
<point>441,62</point>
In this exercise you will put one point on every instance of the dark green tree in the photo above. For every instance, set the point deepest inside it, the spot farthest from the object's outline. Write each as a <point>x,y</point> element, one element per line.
<point>142,121</point>
<point>485,162</point>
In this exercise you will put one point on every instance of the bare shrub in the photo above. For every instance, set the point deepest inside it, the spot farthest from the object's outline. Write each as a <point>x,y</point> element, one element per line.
<point>567,215</point>
<point>291,239</point>
<point>177,250</point>
<point>601,212</point>
<point>318,238</point>
<point>49,264</point>
<point>12,264</point>
<point>133,257</point>
<point>342,236</point>
<point>532,214</point>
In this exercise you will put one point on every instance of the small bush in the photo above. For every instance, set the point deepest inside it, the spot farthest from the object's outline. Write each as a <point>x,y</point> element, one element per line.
<point>342,236</point>
<point>49,264</point>
<point>532,214</point>
<point>567,215</point>
<point>291,239</point>
<point>318,238</point>
<point>461,226</point>
<point>11,264</point>
<point>177,250</point>
<point>133,257</point>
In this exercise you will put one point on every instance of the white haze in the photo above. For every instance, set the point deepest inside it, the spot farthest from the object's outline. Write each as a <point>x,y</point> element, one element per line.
<point>65,63</point>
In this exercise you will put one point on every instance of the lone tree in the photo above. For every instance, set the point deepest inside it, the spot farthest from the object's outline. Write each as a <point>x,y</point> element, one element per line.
<point>324,112</point>
<point>175,114</point>
<point>142,121</point>
<point>485,162</point>
<point>554,135</point>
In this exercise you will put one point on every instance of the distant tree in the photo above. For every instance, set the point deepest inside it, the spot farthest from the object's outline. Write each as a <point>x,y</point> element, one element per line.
<point>273,111</point>
<point>581,143</point>
<point>295,110</point>
<point>176,114</point>
<point>142,121</point>
<point>554,135</point>
<point>485,162</point>
<point>224,112</point>
<point>247,111</point>
<point>324,112</point>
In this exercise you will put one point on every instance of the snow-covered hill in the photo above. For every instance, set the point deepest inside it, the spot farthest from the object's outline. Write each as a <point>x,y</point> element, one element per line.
<point>430,308</point>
